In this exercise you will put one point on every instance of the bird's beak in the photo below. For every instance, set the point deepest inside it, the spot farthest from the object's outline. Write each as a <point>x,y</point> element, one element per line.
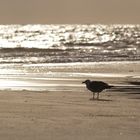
<point>83,82</point>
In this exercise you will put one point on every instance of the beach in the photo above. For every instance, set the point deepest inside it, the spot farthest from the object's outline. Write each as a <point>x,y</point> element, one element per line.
<point>50,102</point>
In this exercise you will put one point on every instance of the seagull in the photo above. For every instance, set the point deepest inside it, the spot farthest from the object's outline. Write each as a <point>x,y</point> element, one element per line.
<point>96,87</point>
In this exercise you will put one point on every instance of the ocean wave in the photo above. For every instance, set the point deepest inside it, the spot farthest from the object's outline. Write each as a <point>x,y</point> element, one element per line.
<point>68,43</point>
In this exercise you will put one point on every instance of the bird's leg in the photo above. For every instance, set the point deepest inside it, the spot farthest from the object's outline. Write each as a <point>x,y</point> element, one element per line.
<point>93,95</point>
<point>97,95</point>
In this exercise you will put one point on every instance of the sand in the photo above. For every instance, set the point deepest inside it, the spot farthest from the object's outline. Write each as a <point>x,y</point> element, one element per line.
<point>70,114</point>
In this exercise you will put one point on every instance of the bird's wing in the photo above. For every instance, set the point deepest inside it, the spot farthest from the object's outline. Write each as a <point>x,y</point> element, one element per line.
<point>99,83</point>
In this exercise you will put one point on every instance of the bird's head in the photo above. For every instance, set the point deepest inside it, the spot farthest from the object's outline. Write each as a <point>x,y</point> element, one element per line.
<point>86,82</point>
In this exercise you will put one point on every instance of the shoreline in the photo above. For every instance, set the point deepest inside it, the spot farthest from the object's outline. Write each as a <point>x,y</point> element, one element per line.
<point>37,76</point>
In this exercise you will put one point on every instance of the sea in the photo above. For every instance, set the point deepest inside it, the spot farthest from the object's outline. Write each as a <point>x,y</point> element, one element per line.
<point>68,43</point>
<point>27,51</point>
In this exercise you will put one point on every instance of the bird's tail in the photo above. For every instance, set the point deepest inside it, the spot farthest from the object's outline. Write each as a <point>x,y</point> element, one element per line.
<point>110,87</point>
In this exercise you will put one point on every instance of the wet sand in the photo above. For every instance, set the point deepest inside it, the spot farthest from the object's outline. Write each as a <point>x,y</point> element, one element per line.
<point>69,114</point>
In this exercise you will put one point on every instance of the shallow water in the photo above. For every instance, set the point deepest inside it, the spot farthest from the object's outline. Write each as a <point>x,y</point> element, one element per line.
<point>61,77</point>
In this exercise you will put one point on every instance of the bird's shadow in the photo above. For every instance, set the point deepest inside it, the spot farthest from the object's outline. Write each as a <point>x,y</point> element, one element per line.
<point>103,100</point>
